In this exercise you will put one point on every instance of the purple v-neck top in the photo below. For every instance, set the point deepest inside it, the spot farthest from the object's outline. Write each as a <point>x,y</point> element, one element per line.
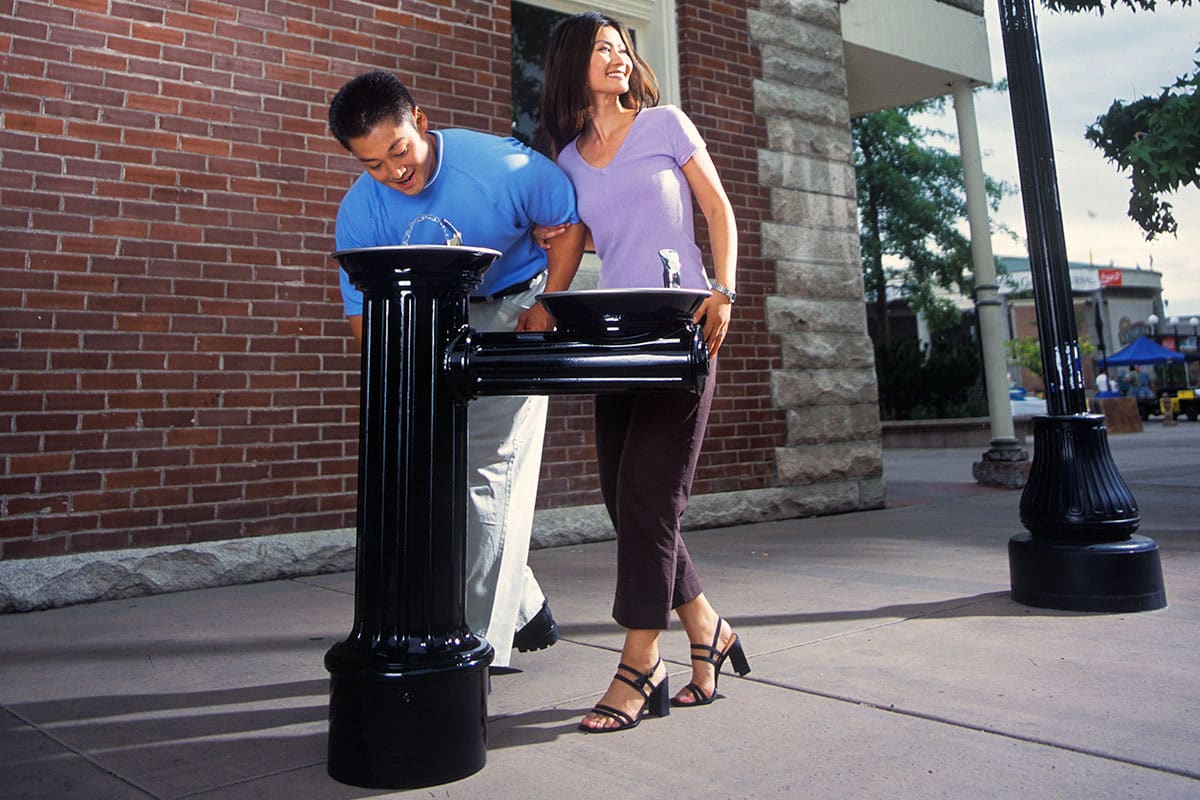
<point>641,202</point>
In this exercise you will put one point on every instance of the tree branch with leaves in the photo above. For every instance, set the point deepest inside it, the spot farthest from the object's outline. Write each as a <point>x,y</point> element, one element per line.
<point>1155,138</point>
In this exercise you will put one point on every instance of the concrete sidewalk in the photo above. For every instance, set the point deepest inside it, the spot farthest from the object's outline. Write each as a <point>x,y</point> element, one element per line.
<point>888,662</point>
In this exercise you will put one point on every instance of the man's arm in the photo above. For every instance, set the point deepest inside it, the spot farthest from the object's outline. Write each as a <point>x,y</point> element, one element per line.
<point>356,327</point>
<point>562,263</point>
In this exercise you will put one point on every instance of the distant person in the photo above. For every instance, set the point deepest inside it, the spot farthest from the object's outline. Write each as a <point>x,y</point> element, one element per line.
<point>493,191</point>
<point>1103,386</point>
<point>1144,388</point>
<point>1124,383</point>
<point>1139,383</point>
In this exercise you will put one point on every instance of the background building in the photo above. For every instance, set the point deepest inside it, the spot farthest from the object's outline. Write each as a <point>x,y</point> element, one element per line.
<point>176,375</point>
<point>1113,306</point>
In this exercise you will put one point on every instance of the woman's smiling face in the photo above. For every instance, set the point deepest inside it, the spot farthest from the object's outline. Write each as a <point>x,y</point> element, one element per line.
<point>611,64</point>
<point>399,156</point>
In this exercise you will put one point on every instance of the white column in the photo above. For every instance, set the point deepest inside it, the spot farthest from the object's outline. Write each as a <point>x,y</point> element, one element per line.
<point>987,302</point>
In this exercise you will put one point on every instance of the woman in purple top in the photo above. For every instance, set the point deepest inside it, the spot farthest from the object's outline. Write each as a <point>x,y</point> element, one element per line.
<point>636,170</point>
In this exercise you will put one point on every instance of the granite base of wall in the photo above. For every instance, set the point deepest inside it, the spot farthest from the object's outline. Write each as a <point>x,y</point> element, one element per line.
<point>37,583</point>
<point>40,583</point>
<point>939,433</point>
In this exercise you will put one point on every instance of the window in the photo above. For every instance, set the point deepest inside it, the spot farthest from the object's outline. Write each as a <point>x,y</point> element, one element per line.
<point>531,27</point>
<point>651,22</point>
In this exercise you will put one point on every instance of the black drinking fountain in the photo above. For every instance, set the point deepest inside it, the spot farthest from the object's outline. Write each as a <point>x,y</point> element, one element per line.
<point>408,686</point>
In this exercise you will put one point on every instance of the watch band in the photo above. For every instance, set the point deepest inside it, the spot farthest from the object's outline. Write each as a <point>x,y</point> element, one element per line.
<point>725,290</point>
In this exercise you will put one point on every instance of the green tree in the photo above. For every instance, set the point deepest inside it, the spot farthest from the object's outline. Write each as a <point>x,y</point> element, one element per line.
<point>1072,6</point>
<point>933,382</point>
<point>1026,351</point>
<point>1156,138</point>
<point>911,204</point>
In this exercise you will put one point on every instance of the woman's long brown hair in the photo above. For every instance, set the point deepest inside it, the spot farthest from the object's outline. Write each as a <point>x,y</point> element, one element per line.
<point>565,95</point>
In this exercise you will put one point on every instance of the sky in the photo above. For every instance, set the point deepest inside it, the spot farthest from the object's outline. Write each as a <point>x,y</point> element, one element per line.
<point>1087,62</point>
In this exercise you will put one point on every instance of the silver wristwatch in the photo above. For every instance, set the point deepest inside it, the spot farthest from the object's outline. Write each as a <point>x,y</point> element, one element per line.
<point>725,290</point>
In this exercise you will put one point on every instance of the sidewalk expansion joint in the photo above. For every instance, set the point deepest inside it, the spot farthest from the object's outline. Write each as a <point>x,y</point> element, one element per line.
<point>33,726</point>
<point>967,726</point>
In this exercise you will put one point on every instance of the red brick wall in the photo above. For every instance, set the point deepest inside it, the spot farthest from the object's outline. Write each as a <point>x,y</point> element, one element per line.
<point>174,365</point>
<point>717,68</point>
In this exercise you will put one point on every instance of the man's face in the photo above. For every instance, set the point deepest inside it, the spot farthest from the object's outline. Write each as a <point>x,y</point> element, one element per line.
<point>398,156</point>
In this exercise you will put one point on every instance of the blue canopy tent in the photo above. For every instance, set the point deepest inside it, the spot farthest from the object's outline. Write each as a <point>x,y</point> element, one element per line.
<point>1143,351</point>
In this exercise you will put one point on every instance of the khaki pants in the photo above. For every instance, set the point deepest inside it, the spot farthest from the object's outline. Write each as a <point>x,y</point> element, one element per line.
<point>504,458</point>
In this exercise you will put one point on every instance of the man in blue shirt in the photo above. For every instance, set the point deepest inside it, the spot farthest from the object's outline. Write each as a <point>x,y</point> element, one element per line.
<point>422,186</point>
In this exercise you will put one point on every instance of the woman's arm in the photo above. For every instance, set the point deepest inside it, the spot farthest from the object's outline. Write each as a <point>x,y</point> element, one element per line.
<point>710,195</point>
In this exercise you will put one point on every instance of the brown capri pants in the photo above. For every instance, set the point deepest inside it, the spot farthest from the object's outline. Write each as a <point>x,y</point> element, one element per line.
<point>647,445</point>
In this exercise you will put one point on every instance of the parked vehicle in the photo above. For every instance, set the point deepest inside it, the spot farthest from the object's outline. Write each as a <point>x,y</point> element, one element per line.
<point>1184,403</point>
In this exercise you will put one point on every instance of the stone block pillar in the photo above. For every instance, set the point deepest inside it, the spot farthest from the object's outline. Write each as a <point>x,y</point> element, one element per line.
<point>833,459</point>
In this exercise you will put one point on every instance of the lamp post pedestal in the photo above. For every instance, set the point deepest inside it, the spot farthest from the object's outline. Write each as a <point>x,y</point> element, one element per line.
<point>1003,465</point>
<point>1080,553</point>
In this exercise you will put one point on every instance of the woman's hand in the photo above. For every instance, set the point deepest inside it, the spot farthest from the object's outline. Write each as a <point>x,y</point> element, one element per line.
<point>715,312</point>
<point>543,234</point>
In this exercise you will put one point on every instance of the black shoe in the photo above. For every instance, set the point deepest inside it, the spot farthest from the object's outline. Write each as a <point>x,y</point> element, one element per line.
<point>709,654</point>
<point>539,633</point>
<point>655,700</point>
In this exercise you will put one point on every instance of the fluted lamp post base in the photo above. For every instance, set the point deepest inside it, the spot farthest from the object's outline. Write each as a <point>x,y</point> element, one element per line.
<point>1080,553</point>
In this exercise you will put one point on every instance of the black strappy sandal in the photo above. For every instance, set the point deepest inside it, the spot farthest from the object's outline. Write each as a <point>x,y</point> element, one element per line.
<point>655,700</point>
<point>711,655</point>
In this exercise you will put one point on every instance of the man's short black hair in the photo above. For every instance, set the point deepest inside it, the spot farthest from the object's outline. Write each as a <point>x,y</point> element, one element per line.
<point>366,101</point>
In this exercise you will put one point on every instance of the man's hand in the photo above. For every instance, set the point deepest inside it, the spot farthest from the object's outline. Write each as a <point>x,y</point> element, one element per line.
<point>536,318</point>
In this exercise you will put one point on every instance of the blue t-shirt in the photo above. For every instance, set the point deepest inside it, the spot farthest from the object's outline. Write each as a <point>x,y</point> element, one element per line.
<point>492,190</point>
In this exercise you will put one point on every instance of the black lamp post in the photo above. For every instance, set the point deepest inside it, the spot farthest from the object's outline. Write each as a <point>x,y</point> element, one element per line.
<point>1081,552</point>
